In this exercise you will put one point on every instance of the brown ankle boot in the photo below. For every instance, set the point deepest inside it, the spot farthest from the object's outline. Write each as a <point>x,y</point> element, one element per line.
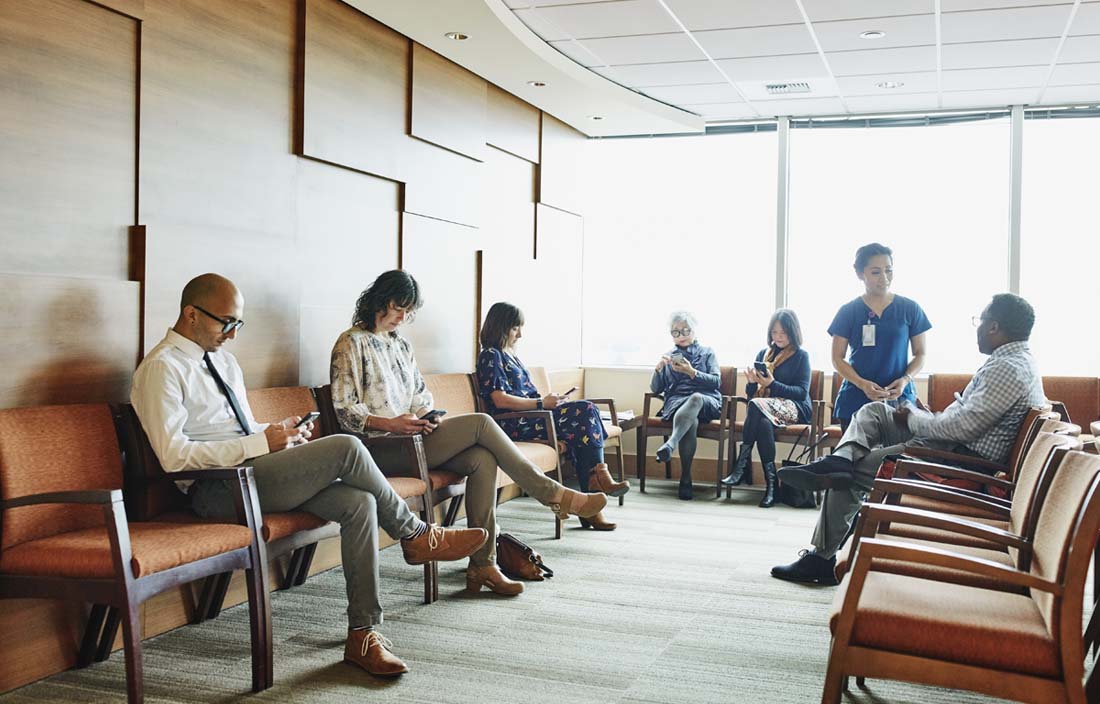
<point>574,503</point>
<point>598,523</point>
<point>370,650</point>
<point>443,544</point>
<point>600,480</point>
<point>490,576</point>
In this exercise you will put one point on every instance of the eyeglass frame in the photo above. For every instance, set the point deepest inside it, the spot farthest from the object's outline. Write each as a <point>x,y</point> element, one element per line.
<point>681,332</point>
<point>228,326</point>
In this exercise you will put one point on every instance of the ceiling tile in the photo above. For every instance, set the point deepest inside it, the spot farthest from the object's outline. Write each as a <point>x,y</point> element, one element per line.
<point>1087,20</point>
<point>994,78</point>
<point>1056,95</point>
<point>1015,23</point>
<point>900,102</point>
<point>774,68</point>
<point>1080,49</point>
<point>957,5</point>
<point>922,82</point>
<point>758,41</point>
<point>671,74</point>
<point>601,19</point>
<point>826,10</point>
<point>517,4</point>
<point>540,24</point>
<point>695,95</point>
<point>989,98</point>
<point>1022,52</point>
<point>819,88</point>
<point>1075,74</point>
<point>578,52</point>
<point>708,14</point>
<point>901,59</point>
<point>723,111</point>
<point>911,30</point>
<point>649,49</point>
<point>800,107</point>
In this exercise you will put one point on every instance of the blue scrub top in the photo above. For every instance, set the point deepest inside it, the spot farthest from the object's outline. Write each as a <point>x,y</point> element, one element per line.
<point>887,359</point>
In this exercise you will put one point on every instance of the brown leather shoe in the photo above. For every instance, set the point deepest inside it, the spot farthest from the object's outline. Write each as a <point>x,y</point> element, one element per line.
<point>600,480</point>
<point>574,503</point>
<point>370,650</point>
<point>490,576</point>
<point>598,523</point>
<point>443,544</point>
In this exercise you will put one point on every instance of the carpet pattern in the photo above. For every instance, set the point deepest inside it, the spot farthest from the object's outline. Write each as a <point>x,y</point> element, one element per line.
<point>675,606</point>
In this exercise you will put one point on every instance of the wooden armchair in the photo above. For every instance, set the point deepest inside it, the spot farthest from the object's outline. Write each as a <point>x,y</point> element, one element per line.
<point>66,535</point>
<point>1021,640</point>
<point>720,430</point>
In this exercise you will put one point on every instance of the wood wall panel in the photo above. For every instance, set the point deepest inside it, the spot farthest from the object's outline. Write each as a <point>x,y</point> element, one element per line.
<point>512,125</point>
<point>130,8</point>
<point>561,165</point>
<point>66,340</point>
<point>442,257</point>
<point>559,255</point>
<point>68,77</point>
<point>356,78</point>
<point>448,104</point>
<point>443,185</point>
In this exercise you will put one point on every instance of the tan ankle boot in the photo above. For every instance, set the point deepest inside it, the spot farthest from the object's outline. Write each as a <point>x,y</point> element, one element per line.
<point>600,480</point>
<point>490,577</point>
<point>574,503</point>
<point>370,650</point>
<point>598,523</point>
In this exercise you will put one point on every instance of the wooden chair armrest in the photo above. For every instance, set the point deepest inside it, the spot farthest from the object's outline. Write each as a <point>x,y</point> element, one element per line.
<point>874,515</point>
<point>95,496</point>
<point>413,448</point>
<point>610,403</point>
<point>955,459</point>
<point>649,396</point>
<point>544,415</point>
<point>884,490</point>
<point>905,469</point>
<point>230,473</point>
<point>872,548</point>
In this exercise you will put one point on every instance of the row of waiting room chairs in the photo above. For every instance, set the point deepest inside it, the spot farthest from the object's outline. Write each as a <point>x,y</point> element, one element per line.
<point>87,514</point>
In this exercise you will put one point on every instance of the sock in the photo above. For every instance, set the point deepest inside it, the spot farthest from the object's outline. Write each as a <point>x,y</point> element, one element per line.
<point>362,628</point>
<point>417,532</point>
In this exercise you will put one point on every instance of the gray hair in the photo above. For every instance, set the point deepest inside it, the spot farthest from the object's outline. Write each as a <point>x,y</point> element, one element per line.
<point>682,316</point>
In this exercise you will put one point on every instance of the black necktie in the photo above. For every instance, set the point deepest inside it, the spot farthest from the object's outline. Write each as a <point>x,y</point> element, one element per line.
<point>232,397</point>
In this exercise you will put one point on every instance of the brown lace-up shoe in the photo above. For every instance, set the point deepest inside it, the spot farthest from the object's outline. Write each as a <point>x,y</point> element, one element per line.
<point>443,544</point>
<point>600,480</point>
<point>370,650</point>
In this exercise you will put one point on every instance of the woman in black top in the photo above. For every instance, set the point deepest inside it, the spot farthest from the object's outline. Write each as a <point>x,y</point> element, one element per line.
<point>777,398</point>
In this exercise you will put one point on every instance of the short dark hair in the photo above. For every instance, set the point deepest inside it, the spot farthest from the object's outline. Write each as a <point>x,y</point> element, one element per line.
<point>499,321</point>
<point>789,322</point>
<point>864,254</point>
<point>1015,315</point>
<point>395,286</point>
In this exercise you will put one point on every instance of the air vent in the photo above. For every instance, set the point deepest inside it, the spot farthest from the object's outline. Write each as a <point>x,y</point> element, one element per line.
<point>787,88</point>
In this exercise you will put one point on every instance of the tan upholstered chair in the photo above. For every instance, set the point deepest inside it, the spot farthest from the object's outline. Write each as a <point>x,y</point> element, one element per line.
<point>65,535</point>
<point>1021,641</point>
<point>720,430</point>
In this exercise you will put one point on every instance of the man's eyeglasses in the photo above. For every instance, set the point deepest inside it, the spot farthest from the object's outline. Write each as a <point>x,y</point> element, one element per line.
<point>228,324</point>
<point>680,333</point>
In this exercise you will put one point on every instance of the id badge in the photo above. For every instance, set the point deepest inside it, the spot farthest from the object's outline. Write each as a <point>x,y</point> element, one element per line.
<point>868,335</point>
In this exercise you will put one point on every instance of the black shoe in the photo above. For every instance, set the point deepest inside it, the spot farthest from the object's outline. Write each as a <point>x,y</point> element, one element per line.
<point>737,475</point>
<point>770,485</point>
<point>831,472</point>
<point>685,490</point>
<point>809,568</point>
<point>664,453</point>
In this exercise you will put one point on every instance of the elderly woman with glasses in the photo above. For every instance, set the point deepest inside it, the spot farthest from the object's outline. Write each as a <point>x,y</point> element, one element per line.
<point>688,377</point>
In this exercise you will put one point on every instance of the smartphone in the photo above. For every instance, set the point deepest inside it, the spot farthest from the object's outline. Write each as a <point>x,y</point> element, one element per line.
<point>307,419</point>
<point>433,416</point>
<point>677,357</point>
<point>570,391</point>
<point>761,368</point>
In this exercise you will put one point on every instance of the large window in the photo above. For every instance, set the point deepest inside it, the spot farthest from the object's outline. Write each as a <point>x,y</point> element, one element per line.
<point>1060,229</point>
<point>937,195</point>
<point>679,223</point>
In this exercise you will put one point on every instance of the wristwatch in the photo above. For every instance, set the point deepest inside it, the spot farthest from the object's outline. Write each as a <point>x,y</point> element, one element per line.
<point>538,404</point>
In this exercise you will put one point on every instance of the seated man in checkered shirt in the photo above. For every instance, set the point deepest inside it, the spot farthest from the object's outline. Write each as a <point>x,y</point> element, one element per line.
<point>982,422</point>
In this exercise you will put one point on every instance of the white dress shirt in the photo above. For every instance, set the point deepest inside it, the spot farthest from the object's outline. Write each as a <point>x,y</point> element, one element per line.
<point>188,419</point>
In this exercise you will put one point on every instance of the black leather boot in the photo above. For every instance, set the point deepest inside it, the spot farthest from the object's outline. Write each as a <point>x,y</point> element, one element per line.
<point>737,474</point>
<point>685,486</point>
<point>770,485</point>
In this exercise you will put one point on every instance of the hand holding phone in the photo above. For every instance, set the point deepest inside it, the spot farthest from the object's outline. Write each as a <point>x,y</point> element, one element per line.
<point>567,393</point>
<point>433,416</point>
<point>761,368</point>
<point>307,419</point>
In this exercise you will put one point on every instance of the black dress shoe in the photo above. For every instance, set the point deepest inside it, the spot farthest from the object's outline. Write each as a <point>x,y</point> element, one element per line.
<point>831,472</point>
<point>809,568</point>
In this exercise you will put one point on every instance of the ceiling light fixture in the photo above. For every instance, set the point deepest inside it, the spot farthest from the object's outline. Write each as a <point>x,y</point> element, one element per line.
<point>872,34</point>
<point>457,36</point>
<point>888,85</point>
<point>595,117</point>
<point>536,84</point>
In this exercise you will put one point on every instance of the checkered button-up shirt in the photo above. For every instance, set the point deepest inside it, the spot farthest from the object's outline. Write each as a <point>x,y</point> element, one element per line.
<point>988,414</point>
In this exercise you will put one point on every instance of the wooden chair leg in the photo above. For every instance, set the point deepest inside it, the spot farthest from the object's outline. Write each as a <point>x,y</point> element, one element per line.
<point>110,632</point>
<point>452,511</point>
<point>206,595</point>
<point>259,621</point>
<point>861,682</point>
<point>622,465</point>
<point>307,561</point>
<point>668,465</point>
<point>92,629</point>
<point>292,568</point>
<point>435,581</point>
<point>131,640</point>
<point>639,457</point>
<point>217,599</point>
<point>720,470</point>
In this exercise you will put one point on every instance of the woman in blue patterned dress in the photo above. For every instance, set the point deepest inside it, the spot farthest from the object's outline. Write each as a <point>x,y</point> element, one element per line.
<point>505,386</point>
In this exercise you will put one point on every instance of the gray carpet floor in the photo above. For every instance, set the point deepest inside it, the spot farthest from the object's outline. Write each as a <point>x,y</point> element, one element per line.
<point>675,606</point>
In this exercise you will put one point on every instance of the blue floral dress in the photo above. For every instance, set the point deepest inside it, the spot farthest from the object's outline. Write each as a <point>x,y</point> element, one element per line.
<point>577,423</point>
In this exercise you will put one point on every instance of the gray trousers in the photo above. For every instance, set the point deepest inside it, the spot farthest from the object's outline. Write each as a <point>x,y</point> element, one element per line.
<point>685,429</point>
<point>334,478</point>
<point>871,436</point>
<point>473,446</point>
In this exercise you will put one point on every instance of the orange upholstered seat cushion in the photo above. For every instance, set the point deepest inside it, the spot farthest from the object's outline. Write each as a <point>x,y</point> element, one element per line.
<point>276,525</point>
<point>407,486</point>
<point>833,432</point>
<point>712,425</point>
<point>442,477</point>
<point>946,507</point>
<point>156,547</point>
<point>937,535</point>
<point>953,623</point>
<point>911,569</point>
<point>542,456</point>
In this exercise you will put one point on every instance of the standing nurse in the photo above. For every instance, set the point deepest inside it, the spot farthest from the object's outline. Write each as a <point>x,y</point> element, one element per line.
<point>879,327</point>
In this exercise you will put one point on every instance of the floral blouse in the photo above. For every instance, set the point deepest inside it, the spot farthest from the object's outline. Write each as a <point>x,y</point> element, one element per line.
<point>375,375</point>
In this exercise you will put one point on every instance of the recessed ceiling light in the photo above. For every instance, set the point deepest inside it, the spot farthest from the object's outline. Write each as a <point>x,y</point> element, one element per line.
<point>890,84</point>
<point>457,36</point>
<point>872,34</point>
<point>595,117</point>
<point>536,84</point>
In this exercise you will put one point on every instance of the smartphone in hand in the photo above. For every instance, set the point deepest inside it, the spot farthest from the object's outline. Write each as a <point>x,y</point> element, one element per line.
<point>307,419</point>
<point>569,392</point>
<point>761,368</point>
<point>433,416</point>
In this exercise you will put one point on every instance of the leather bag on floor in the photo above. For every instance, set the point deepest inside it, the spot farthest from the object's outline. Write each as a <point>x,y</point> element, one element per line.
<point>519,560</point>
